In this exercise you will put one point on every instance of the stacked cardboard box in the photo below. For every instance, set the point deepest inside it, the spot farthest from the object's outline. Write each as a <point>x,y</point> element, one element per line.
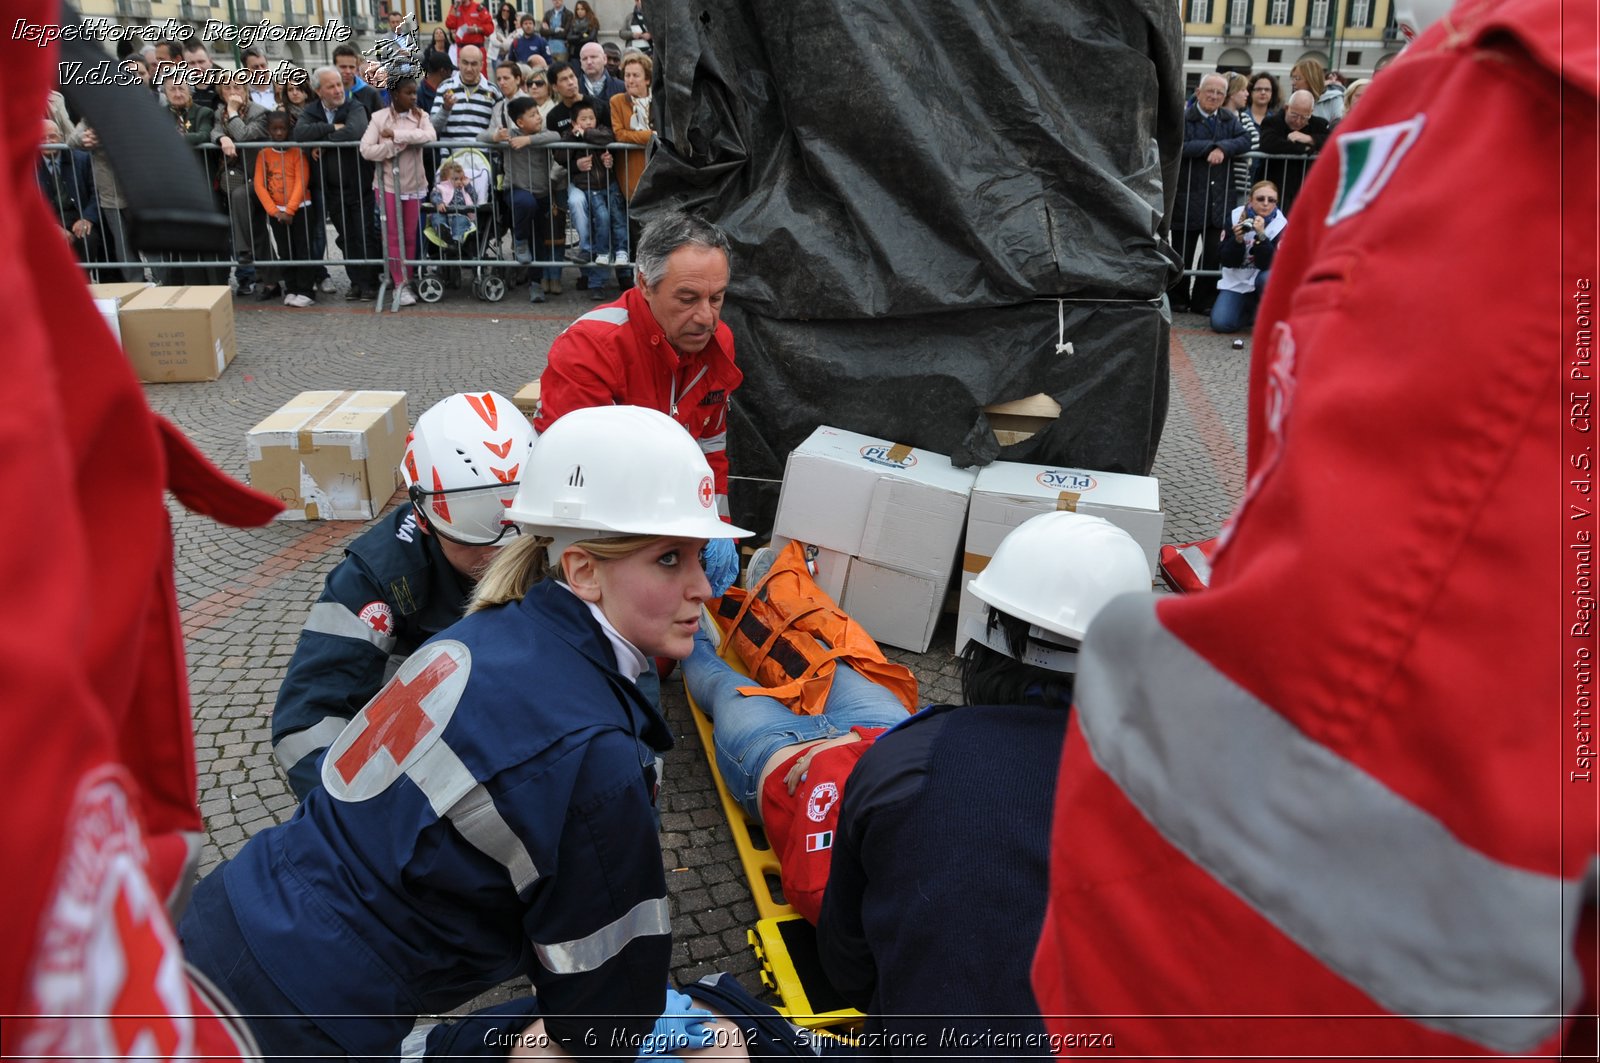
<point>886,522</point>
<point>108,299</point>
<point>179,334</point>
<point>331,455</point>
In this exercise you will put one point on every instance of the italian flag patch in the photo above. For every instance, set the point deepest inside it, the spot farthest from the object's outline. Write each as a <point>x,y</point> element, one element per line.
<point>819,841</point>
<point>1367,159</point>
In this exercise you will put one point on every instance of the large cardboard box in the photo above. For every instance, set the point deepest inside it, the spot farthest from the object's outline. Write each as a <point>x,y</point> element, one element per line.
<point>331,455</point>
<point>179,334</point>
<point>108,299</point>
<point>527,400</point>
<point>896,512</point>
<point>1007,493</point>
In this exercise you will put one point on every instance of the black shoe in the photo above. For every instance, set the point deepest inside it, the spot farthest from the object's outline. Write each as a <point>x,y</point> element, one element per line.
<point>354,294</point>
<point>1178,308</point>
<point>246,291</point>
<point>270,292</point>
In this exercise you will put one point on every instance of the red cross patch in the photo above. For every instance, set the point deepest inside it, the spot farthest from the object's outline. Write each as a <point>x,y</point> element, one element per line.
<point>400,724</point>
<point>107,979</point>
<point>707,495</point>
<point>378,616</point>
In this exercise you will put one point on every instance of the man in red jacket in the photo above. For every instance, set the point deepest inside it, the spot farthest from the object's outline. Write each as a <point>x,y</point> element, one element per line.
<point>96,743</point>
<point>1343,802</point>
<point>661,345</point>
<point>469,22</point>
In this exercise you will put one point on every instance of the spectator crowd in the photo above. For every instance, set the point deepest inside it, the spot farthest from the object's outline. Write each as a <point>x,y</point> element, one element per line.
<point>533,109</point>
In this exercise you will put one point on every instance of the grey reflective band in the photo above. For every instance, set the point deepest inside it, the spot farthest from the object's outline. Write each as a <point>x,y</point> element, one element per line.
<point>611,315</point>
<point>291,749</point>
<point>713,444</point>
<point>331,618</point>
<point>415,1045</point>
<point>482,825</point>
<point>1374,887</point>
<point>646,919</point>
<point>1199,564</point>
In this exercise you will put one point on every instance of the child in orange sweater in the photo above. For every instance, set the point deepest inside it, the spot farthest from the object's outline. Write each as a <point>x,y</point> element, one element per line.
<point>281,182</point>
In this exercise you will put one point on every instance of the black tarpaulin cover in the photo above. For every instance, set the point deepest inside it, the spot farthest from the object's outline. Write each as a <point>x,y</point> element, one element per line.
<point>909,188</point>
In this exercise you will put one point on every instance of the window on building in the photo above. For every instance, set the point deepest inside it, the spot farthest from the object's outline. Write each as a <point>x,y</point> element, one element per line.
<point>431,11</point>
<point>1274,55</point>
<point>1318,16</point>
<point>1353,58</point>
<point>1196,54</point>
<point>1278,13</point>
<point>1238,12</point>
<point>1360,16</point>
<point>1191,82</point>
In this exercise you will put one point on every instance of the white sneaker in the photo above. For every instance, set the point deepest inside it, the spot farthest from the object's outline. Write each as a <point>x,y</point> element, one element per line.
<point>407,297</point>
<point>621,259</point>
<point>760,562</point>
<point>713,631</point>
<point>602,260</point>
<point>288,299</point>
<point>302,301</point>
<point>325,286</point>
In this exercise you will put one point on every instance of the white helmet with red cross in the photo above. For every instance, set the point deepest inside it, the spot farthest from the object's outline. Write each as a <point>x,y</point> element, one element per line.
<point>463,462</point>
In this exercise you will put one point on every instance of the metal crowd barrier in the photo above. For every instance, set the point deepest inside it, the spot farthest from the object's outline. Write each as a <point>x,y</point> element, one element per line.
<point>348,225</point>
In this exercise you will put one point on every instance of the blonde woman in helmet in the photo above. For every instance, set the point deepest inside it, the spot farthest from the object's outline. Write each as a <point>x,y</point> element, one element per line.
<point>941,854</point>
<point>490,813</point>
<point>407,578</point>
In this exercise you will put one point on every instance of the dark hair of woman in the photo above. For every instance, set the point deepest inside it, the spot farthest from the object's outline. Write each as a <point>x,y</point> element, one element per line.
<point>989,677</point>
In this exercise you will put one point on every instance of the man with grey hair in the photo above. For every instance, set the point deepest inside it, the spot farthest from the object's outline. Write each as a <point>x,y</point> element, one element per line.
<point>661,345</point>
<point>341,180</point>
<point>1295,135</point>
<point>1212,136</point>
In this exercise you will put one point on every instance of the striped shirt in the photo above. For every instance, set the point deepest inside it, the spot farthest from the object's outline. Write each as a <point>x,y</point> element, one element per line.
<point>470,115</point>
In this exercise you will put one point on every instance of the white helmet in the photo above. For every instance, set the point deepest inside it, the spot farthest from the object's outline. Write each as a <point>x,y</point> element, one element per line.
<point>608,471</point>
<point>1056,571</point>
<point>463,462</point>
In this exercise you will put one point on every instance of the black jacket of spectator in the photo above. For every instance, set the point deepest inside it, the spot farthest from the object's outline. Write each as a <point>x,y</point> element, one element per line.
<point>1289,174</point>
<point>1205,192</point>
<point>611,86</point>
<point>559,120</point>
<point>68,183</point>
<point>341,172</point>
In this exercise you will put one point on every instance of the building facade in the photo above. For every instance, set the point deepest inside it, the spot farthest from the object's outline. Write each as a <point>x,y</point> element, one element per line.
<point>1354,37</point>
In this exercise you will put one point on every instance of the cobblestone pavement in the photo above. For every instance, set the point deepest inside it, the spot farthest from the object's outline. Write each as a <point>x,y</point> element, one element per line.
<point>245,594</point>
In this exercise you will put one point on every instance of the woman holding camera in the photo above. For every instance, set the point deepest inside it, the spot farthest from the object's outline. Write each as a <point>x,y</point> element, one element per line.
<point>1248,245</point>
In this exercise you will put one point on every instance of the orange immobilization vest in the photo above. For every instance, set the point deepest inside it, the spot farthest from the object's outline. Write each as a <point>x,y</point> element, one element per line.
<point>789,634</point>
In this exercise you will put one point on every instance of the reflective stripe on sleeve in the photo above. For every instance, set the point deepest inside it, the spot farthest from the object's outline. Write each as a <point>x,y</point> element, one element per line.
<point>714,444</point>
<point>331,618</point>
<point>292,748</point>
<point>1199,564</point>
<point>1372,885</point>
<point>645,919</point>
<point>611,315</point>
<point>415,1046</point>
<point>722,506</point>
<point>457,796</point>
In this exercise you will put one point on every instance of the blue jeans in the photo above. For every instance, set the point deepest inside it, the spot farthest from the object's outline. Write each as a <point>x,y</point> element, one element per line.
<point>600,219</point>
<point>1236,310</point>
<point>748,730</point>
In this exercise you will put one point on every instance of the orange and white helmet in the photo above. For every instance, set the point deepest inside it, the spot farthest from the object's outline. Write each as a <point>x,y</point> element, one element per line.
<point>463,462</point>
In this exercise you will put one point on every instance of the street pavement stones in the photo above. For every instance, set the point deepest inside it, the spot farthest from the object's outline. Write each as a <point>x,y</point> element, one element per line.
<point>245,593</point>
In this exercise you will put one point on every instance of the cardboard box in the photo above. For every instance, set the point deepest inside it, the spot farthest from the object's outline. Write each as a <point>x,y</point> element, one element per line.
<point>1007,493</point>
<point>897,513</point>
<point>179,334</point>
<point>108,299</point>
<point>331,455</point>
<point>527,400</point>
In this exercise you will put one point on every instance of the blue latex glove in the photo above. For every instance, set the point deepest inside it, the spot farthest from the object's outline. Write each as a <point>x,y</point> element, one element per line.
<point>682,1025</point>
<point>721,560</point>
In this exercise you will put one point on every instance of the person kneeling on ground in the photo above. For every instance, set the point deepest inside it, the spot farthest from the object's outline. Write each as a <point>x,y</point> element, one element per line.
<point>405,579</point>
<point>940,869</point>
<point>490,813</point>
<point>1247,249</point>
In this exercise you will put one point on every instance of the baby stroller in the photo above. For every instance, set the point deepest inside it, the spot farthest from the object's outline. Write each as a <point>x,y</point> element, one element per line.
<point>457,237</point>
